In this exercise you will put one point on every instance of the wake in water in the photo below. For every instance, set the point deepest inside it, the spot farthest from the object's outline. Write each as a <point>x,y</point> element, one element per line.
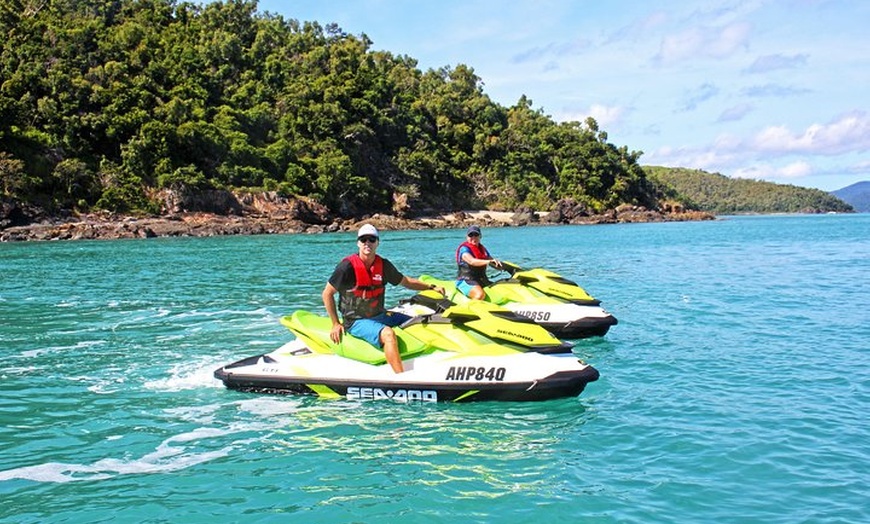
<point>169,456</point>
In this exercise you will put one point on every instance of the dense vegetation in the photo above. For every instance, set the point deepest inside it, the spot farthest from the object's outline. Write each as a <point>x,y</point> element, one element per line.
<point>723,195</point>
<point>103,102</point>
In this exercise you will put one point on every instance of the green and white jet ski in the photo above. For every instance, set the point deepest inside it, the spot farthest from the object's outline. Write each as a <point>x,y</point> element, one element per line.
<point>444,360</point>
<point>556,303</point>
<point>445,324</point>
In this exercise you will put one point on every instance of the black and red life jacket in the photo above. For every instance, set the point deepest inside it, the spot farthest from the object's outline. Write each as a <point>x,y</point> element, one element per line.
<point>469,272</point>
<point>366,298</point>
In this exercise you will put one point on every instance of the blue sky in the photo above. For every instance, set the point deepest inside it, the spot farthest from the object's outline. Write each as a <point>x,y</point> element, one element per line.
<point>769,90</point>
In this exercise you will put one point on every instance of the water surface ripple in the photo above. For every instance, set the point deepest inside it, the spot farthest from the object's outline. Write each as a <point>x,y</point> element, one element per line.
<point>734,389</point>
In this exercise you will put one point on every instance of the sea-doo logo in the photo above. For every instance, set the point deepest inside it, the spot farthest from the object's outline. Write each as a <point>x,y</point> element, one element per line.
<point>535,315</point>
<point>475,373</point>
<point>516,335</point>
<point>400,395</point>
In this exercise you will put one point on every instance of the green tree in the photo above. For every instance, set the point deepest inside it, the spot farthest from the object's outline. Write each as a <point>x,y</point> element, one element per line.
<point>103,101</point>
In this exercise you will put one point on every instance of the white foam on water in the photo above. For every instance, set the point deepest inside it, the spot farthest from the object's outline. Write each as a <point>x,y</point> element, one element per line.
<point>167,457</point>
<point>22,370</point>
<point>185,376</point>
<point>67,303</point>
<point>105,386</point>
<point>82,344</point>
<point>270,343</point>
<point>269,406</point>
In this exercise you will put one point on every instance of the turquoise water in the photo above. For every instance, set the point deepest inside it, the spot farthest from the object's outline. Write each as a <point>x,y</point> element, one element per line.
<point>736,387</point>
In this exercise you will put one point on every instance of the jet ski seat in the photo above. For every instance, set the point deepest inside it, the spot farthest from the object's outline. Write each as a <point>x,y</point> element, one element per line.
<point>314,331</point>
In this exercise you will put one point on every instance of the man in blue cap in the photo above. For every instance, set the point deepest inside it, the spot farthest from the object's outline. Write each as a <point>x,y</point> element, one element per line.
<point>472,259</point>
<point>360,280</point>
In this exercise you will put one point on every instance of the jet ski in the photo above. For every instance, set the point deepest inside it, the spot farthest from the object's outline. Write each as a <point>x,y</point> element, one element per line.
<point>458,327</point>
<point>556,303</point>
<point>441,365</point>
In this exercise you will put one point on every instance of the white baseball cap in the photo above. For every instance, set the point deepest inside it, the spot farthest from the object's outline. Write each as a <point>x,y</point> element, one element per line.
<point>368,229</point>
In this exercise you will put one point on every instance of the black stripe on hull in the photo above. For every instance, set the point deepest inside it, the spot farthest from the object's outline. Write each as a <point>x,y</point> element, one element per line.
<point>585,302</point>
<point>583,328</point>
<point>559,385</point>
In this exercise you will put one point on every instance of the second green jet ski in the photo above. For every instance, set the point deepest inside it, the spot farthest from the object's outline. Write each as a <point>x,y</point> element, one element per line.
<point>552,301</point>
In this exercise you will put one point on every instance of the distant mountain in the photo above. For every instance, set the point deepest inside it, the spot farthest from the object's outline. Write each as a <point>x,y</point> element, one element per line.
<point>724,195</point>
<point>857,195</point>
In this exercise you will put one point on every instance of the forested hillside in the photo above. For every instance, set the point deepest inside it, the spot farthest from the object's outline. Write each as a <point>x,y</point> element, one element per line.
<point>103,102</point>
<point>719,194</point>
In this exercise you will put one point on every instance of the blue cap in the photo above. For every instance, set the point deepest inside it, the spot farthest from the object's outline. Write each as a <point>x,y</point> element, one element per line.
<point>473,229</point>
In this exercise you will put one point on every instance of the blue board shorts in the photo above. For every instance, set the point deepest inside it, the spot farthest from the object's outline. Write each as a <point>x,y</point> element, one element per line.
<point>369,329</point>
<point>464,286</point>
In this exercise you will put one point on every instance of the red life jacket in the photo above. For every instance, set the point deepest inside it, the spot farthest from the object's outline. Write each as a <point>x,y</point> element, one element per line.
<point>366,298</point>
<point>477,251</point>
<point>469,272</point>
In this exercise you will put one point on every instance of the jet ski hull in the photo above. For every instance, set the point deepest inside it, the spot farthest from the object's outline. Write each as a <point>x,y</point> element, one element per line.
<point>436,377</point>
<point>567,320</point>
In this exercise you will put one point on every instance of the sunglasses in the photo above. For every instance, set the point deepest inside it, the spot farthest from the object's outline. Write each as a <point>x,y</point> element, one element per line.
<point>474,234</point>
<point>368,239</point>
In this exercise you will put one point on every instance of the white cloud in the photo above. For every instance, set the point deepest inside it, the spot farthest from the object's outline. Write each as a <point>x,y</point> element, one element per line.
<point>732,38</point>
<point>709,159</point>
<point>708,42</point>
<point>794,170</point>
<point>774,90</point>
<point>849,133</point>
<point>639,28</point>
<point>862,167</point>
<point>605,115</point>
<point>700,94</point>
<point>678,47</point>
<point>727,142</point>
<point>735,113</point>
<point>767,63</point>
<point>797,169</point>
<point>552,49</point>
<point>750,158</point>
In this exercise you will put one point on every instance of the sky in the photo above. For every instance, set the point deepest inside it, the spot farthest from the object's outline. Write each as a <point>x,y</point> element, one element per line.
<point>767,90</point>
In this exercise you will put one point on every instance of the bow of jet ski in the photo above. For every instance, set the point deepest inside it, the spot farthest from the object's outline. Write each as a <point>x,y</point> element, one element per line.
<point>550,283</point>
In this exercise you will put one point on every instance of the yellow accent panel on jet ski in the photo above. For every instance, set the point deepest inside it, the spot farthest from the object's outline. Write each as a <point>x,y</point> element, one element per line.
<point>323,391</point>
<point>466,395</point>
<point>452,338</point>
<point>543,280</point>
<point>482,317</point>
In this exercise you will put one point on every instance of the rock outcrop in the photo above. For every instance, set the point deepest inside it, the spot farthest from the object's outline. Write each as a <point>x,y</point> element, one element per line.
<point>216,213</point>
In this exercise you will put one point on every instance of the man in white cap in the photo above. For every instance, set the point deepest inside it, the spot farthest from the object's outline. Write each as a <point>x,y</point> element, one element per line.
<point>360,280</point>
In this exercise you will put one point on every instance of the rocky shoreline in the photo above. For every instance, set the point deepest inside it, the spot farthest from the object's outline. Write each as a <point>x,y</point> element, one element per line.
<point>267,214</point>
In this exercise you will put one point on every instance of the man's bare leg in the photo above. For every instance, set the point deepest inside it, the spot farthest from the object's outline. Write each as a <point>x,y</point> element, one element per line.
<point>391,349</point>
